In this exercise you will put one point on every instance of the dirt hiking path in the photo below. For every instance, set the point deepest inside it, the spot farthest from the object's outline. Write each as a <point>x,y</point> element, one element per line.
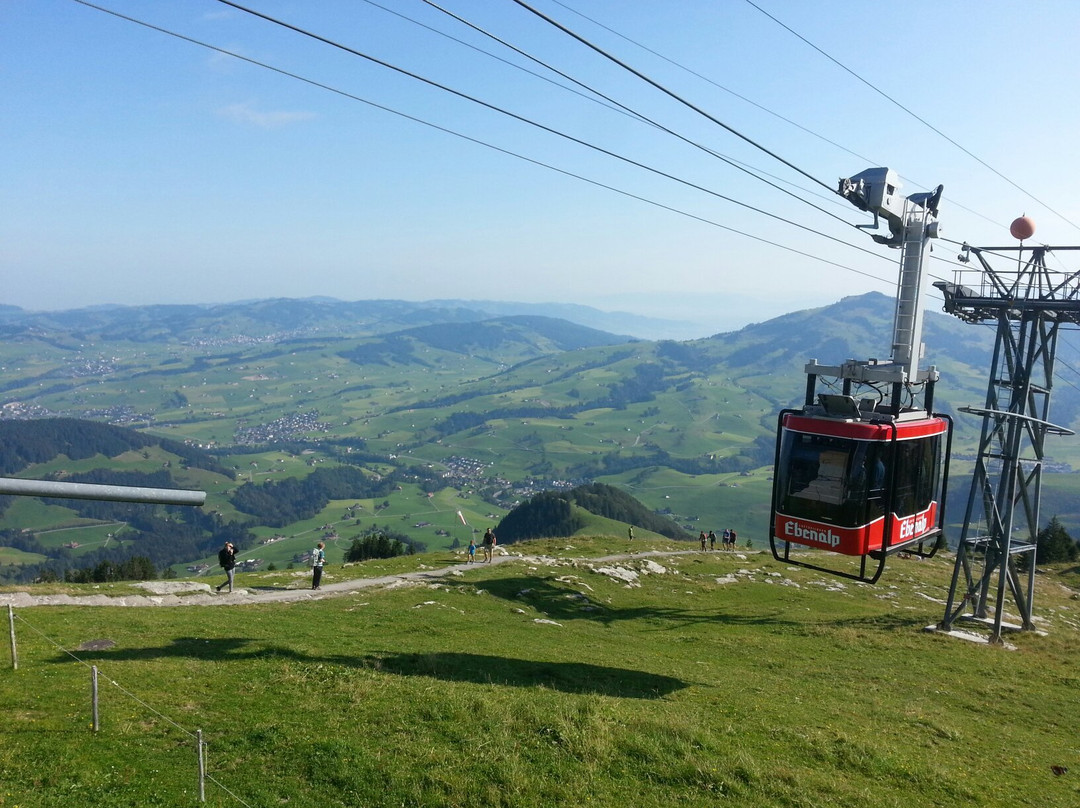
<point>193,593</point>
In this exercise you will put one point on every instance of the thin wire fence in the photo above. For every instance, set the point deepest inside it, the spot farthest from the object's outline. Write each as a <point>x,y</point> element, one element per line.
<point>195,735</point>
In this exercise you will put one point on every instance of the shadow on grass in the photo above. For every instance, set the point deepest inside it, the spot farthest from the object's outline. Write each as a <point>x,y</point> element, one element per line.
<point>221,649</point>
<point>565,602</point>
<point>881,622</point>
<point>566,677</point>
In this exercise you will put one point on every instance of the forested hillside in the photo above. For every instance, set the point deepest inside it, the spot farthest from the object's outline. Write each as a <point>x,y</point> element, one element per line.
<point>291,500</point>
<point>553,513</point>
<point>25,442</point>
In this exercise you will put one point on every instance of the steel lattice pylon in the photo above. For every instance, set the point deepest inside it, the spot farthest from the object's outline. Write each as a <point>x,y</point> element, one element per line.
<point>996,552</point>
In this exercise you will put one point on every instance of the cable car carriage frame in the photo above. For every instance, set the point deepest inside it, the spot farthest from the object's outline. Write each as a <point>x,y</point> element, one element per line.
<point>861,479</point>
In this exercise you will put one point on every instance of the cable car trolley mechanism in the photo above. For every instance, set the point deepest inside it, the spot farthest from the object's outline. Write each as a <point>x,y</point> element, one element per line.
<point>862,470</point>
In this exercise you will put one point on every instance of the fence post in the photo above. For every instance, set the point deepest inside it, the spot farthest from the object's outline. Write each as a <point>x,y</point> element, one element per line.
<point>94,696</point>
<point>202,766</point>
<point>11,628</point>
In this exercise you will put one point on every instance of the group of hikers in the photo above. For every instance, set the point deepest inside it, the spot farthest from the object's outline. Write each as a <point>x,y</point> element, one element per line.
<point>708,541</point>
<point>227,555</point>
<point>227,559</point>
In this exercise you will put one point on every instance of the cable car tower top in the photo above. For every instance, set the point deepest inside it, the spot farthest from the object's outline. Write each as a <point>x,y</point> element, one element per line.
<point>863,477</point>
<point>912,222</point>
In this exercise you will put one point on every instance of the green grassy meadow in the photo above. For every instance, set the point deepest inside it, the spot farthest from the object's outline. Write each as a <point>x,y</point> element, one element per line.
<point>717,679</point>
<point>10,555</point>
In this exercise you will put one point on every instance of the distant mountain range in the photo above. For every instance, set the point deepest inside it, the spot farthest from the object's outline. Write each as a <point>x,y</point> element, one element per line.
<point>450,407</point>
<point>315,316</point>
<point>767,357</point>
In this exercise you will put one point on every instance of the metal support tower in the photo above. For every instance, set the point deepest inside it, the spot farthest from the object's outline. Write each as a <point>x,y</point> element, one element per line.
<point>1029,304</point>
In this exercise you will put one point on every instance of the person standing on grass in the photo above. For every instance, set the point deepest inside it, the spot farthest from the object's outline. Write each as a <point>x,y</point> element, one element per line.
<point>630,532</point>
<point>227,559</point>
<point>318,558</point>
<point>488,543</point>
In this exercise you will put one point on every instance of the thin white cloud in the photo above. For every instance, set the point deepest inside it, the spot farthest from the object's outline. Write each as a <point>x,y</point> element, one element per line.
<point>246,113</point>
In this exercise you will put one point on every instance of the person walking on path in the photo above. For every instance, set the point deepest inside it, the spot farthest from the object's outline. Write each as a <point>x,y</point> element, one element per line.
<point>712,540</point>
<point>489,544</point>
<point>733,539</point>
<point>472,550</point>
<point>318,558</point>
<point>727,537</point>
<point>227,559</point>
<point>701,539</point>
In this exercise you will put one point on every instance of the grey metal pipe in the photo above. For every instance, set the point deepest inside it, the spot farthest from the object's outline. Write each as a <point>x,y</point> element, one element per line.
<point>114,493</point>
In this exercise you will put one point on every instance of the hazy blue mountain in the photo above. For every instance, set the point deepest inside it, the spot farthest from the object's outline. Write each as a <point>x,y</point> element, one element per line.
<point>615,322</point>
<point>504,340</point>
<point>276,318</point>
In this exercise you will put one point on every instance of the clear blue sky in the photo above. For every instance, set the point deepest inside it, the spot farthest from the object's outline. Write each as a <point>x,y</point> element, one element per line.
<point>139,168</point>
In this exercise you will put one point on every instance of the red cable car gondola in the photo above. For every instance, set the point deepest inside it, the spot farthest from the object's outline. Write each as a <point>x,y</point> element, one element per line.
<point>858,482</point>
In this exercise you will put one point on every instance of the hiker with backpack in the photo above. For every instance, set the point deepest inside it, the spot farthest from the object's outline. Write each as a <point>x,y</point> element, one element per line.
<point>227,559</point>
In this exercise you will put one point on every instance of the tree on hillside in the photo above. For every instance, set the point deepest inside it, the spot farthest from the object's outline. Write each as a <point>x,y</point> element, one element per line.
<point>545,515</point>
<point>381,543</point>
<point>137,568</point>
<point>1055,544</point>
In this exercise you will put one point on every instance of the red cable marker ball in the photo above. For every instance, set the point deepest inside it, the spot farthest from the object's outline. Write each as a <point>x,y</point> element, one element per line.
<point>1022,228</point>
